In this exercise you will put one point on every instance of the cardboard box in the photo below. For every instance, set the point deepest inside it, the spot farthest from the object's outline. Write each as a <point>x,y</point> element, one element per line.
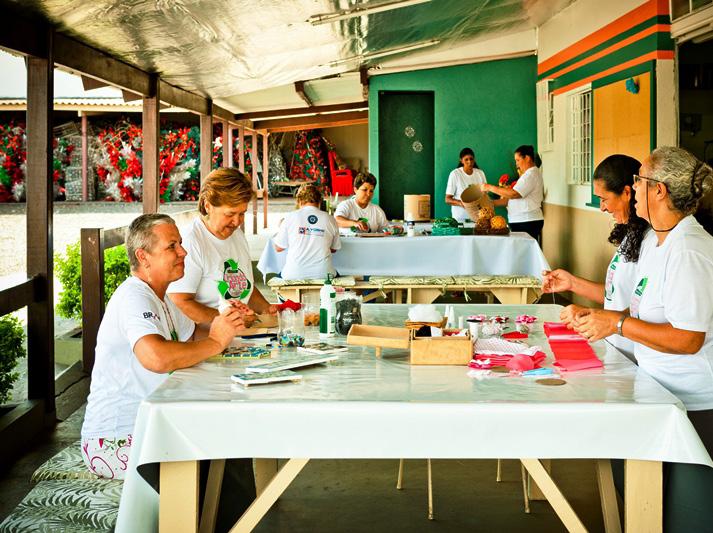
<point>450,350</point>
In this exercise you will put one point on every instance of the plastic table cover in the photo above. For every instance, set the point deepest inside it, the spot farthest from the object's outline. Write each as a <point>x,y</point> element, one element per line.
<point>364,407</point>
<point>514,254</point>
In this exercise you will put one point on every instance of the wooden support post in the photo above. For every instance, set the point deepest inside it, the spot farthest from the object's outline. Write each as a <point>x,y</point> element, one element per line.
<point>253,160</point>
<point>40,194</point>
<point>151,133</point>
<point>607,495</point>
<point>265,176</point>
<point>85,158</point>
<point>643,496</point>
<point>178,501</point>
<point>227,144</point>
<point>241,149</point>
<point>92,254</point>
<point>265,470</point>
<point>206,145</point>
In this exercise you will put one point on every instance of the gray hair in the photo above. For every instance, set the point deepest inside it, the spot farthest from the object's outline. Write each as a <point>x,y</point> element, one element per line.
<point>687,178</point>
<point>140,235</point>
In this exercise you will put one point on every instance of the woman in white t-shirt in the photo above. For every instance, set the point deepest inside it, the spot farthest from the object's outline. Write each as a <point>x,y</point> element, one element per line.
<point>310,237</point>
<point>671,314</point>
<point>613,182</point>
<point>466,174</point>
<point>358,212</point>
<point>218,265</point>
<point>524,200</point>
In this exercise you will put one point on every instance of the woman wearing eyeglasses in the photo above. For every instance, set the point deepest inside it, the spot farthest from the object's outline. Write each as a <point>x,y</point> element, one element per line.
<point>670,316</point>
<point>613,185</point>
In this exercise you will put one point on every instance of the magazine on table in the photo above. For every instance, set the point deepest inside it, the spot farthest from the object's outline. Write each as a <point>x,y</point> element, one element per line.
<point>322,348</point>
<point>265,377</point>
<point>287,363</point>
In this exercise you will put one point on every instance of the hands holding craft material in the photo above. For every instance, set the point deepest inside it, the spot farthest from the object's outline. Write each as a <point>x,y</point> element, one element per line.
<point>594,324</point>
<point>362,224</point>
<point>558,280</point>
<point>227,324</point>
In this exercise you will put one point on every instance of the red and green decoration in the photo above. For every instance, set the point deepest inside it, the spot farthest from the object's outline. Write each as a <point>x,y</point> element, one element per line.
<point>507,181</point>
<point>247,147</point>
<point>308,161</point>
<point>235,284</point>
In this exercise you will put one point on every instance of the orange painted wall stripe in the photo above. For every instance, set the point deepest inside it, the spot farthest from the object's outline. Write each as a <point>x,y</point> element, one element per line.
<point>657,54</point>
<point>613,48</point>
<point>636,16</point>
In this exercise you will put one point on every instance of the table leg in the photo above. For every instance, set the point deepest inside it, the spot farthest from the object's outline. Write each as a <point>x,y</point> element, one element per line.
<point>178,500</point>
<point>269,495</point>
<point>553,494</point>
<point>607,494</point>
<point>507,295</point>
<point>534,491</point>
<point>643,496</point>
<point>265,470</point>
<point>212,496</point>
<point>424,295</point>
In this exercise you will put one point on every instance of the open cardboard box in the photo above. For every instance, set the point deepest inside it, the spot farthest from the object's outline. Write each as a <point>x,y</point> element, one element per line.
<point>449,350</point>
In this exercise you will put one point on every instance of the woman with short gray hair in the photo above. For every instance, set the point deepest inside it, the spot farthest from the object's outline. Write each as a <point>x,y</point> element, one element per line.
<point>670,317</point>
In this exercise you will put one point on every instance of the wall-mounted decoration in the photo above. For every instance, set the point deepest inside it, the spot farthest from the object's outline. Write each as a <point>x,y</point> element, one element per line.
<point>417,146</point>
<point>409,132</point>
<point>632,85</point>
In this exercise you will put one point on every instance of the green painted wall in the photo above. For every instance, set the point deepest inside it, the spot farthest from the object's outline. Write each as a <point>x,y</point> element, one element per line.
<point>487,106</point>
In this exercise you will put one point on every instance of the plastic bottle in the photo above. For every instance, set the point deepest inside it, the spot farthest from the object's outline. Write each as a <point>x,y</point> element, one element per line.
<point>410,229</point>
<point>451,317</point>
<point>327,299</point>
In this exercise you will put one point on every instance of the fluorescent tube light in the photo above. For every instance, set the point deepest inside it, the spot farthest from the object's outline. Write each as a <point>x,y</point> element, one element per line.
<point>383,53</point>
<point>358,11</point>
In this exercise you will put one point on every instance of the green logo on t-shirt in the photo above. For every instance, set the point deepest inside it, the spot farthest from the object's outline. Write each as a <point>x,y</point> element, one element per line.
<point>235,284</point>
<point>641,286</point>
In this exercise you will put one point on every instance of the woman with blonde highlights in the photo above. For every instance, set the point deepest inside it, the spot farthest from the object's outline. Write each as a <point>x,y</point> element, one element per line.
<point>218,265</point>
<point>310,237</point>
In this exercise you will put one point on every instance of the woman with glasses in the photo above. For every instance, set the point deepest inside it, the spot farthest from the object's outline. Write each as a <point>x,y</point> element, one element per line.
<point>670,316</point>
<point>613,185</point>
<point>466,174</point>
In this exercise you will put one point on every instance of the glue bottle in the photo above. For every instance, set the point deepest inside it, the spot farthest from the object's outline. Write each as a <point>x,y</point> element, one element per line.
<point>327,299</point>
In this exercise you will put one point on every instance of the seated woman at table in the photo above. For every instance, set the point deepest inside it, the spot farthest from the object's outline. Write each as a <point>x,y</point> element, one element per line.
<point>310,237</point>
<point>351,213</point>
<point>142,338</point>
<point>466,174</point>
<point>524,200</point>
<point>670,317</point>
<point>613,184</point>
<point>218,266</point>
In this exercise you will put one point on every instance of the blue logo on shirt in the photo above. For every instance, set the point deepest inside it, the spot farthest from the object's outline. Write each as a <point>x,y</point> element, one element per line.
<point>312,219</point>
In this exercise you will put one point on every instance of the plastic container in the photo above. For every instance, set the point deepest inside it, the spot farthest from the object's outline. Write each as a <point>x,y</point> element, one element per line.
<point>291,330</point>
<point>347,312</point>
<point>327,299</point>
<point>310,308</point>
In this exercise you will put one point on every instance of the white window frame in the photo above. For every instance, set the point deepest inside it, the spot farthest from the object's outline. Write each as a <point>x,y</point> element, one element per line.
<point>545,116</point>
<point>579,137</point>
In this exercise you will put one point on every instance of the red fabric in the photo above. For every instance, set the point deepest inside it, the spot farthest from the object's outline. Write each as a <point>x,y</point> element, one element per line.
<point>289,304</point>
<point>513,362</point>
<point>571,350</point>
<point>514,335</point>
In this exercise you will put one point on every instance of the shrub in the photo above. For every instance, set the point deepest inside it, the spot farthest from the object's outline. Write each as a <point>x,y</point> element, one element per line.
<point>69,271</point>
<point>11,349</point>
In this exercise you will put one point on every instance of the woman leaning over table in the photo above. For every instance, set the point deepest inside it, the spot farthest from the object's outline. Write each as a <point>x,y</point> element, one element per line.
<point>524,200</point>
<point>466,174</point>
<point>671,315</point>
<point>310,237</point>
<point>351,213</point>
<point>613,185</point>
<point>218,265</point>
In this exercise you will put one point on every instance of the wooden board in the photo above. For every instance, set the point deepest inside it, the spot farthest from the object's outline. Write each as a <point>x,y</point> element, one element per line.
<point>379,336</point>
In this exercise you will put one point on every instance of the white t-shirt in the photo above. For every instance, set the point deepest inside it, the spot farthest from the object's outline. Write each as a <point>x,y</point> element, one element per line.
<point>119,381</point>
<point>215,268</point>
<point>309,235</point>
<point>675,286</point>
<point>458,181</point>
<point>618,286</point>
<point>373,213</point>
<point>532,189</point>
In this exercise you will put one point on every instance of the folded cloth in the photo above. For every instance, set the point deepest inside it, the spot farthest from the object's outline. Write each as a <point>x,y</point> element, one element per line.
<point>582,364</point>
<point>514,335</point>
<point>519,362</point>
<point>571,350</point>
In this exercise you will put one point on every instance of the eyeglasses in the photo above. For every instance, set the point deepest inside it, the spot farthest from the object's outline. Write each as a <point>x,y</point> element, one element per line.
<point>638,179</point>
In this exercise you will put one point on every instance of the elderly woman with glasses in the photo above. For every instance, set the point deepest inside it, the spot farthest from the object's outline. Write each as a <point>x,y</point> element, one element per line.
<point>670,316</point>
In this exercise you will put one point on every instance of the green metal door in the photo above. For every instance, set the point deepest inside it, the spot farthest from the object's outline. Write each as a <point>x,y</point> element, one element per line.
<point>405,148</point>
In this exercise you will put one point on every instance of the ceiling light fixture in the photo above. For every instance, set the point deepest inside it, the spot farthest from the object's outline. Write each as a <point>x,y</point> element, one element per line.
<point>383,53</point>
<point>362,9</point>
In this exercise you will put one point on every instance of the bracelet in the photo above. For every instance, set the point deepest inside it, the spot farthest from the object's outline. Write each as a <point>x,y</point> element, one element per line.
<point>620,324</point>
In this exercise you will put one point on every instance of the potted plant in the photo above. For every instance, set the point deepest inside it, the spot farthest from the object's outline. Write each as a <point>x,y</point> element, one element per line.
<point>12,338</point>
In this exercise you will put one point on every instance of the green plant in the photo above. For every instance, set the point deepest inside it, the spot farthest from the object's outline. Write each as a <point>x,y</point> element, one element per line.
<point>11,338</point>
<point>69,271</point>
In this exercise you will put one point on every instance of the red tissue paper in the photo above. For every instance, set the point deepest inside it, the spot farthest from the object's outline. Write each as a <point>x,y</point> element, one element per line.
<point>571,350</point>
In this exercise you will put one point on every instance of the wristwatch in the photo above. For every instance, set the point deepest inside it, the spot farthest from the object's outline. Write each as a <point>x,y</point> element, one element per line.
<point>620,324</point>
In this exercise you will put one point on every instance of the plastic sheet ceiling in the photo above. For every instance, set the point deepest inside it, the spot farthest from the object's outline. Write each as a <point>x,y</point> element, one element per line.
<point>225,48</point>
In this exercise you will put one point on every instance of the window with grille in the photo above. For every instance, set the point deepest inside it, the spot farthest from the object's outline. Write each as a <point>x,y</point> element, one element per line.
<point>580,138</point>
<point>545,116</point>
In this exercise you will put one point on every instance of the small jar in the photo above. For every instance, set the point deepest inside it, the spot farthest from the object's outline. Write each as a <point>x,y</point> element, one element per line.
<point>348,312</point>
<point>291,331</point>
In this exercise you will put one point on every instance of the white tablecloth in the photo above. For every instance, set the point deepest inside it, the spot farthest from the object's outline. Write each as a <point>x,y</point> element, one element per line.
<point>516,254</point>
<point>363,407</point>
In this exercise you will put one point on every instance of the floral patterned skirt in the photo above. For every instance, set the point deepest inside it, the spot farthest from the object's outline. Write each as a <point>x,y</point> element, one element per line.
<point>107,458</point>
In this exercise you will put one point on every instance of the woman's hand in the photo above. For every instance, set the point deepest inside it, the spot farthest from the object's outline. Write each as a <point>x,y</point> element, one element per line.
<point>557,280</point>
<point>361,225</point>
<point>273,309</point>
<point>569,313</point>
<point>486,187</point>
<point>225,326</point>
<point>596,324</point>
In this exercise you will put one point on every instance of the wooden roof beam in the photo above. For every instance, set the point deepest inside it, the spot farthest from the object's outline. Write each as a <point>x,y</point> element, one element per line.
<point>299,111</point>
<point>300,89</point>
<point>311,122</point>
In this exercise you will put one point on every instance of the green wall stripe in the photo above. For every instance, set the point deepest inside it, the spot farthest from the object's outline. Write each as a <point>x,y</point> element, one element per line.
<point>660,19</point>
<point>632,51</point>
<point>624,74</point>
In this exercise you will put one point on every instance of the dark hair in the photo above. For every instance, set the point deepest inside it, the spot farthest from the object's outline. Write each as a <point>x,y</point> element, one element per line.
<point>527,150</point>
<point>617,171</point>
<point>362,178</point>
<point>464,152</point>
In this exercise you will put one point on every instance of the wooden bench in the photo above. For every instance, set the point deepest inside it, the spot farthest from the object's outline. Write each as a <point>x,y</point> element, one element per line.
<point>422,289</point>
